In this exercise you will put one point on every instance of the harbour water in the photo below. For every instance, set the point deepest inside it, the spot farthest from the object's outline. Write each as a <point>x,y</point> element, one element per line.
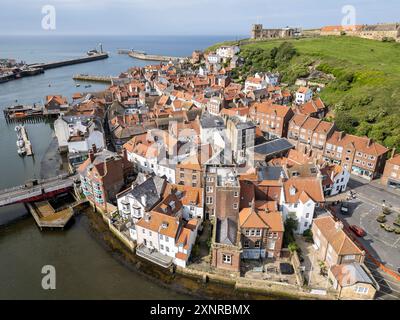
<point>84,269</point>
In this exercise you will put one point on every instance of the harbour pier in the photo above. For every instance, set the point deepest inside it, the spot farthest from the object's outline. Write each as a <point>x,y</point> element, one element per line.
<point>92,78</point>
<point>153,57</point>
<point>63,63</point>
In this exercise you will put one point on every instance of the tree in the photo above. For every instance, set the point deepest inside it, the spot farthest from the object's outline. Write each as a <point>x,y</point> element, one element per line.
<point>293,247</point>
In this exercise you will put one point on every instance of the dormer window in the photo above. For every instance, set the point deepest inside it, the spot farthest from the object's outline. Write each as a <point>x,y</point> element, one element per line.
<point>292,190</point>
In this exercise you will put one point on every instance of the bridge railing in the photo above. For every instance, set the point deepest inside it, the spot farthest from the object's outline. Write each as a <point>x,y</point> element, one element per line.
<point>40,183</point>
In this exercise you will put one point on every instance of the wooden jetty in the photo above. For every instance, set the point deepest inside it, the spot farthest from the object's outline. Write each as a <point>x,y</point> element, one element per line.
<point>28,113</point>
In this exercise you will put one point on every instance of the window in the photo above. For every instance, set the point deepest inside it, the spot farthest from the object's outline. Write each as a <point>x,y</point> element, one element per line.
<point>236,194</point>
<point>227,259</point>
<point>349,257</point>
<point>161,237</point>
<point>167,249</point>
<point>246,244</point>
<point>161,247</point>
<point>247,232</point>
<point>305,224</point>
<point>257,244</point>
<point>258,232</point>
<point>307,215</point>
<point>166,239</point>
<point>143,231</point>
<point>182,175</point>
<point>209,200</point>
<point>209,189</point>
<point>151,243</point>
<point>150,233</point>
<point>361,290</point>
<point>235,206</point>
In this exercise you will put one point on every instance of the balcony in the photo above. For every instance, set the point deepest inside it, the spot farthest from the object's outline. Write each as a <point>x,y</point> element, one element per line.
<point>304,141</point>
<point>154,256</point>
<point>317,146</point>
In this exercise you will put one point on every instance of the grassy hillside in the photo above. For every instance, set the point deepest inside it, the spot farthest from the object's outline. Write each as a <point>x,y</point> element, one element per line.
<point>365,97</point>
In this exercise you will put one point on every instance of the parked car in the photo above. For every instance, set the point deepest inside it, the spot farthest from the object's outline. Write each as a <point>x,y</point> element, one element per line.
<point>360,232</point>
<point>345,208</point>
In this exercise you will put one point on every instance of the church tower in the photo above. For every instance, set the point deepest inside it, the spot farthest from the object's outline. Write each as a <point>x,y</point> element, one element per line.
<point>256,31</point>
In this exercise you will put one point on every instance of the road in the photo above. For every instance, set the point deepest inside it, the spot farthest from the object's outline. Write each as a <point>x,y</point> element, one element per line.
<point>21,193</point>
<point>389,287</point>
<point>364,210</point>
<point>382,245</point>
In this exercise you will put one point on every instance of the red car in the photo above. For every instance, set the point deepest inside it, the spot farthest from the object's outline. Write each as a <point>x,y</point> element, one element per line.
<point>360,232</point>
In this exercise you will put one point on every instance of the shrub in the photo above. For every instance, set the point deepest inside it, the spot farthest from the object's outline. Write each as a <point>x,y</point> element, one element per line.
<point>386,210</point>
<point>389,228</point>
<point>381,218</point>
<point>397,230</point>
<point>293,247</point>
<point>397,221</point>
<point>308,235</point>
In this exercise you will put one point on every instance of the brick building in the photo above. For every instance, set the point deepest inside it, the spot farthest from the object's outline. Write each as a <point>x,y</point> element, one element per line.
<point>103,175</point>
<point>391,174</point>
<point>271,118</point>
<point>359,155</point>
<point>309,135</point>
<point>261,233</point>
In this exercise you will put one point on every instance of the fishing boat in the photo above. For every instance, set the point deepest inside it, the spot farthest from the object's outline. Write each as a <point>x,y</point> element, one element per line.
<point>20,142</point>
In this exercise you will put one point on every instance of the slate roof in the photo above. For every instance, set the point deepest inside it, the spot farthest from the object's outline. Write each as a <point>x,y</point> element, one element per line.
<point>350,274</point>
<point>208,120</point>
<point>270,173</point>
<point>273,147</point>
<point>226,232</point>
<point>152,188</point>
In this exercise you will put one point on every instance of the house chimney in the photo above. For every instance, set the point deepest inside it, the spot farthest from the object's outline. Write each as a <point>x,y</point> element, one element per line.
<point>144,199</point>
<point>341,135</point>
<point>91,156</point>
<point>393,152</point>
<point>338,225</point>
<point>369,142</point>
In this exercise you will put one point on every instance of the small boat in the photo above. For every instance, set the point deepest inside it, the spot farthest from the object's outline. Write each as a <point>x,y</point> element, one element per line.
<point>77,85</point>
<point>49,85</point>
<point>88,86</point>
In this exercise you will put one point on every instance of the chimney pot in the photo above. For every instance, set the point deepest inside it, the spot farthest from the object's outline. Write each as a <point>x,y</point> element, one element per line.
<point>91,156</point>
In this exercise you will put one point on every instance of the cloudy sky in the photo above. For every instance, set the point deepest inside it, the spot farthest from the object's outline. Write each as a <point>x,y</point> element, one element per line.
<point>184,17</point>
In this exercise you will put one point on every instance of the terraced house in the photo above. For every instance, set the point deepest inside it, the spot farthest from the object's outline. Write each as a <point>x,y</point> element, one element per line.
<point>309,135</point>
<point>261,232</point>
<point>359,155</point>
<point>391,174</point>
<point>272,119</point>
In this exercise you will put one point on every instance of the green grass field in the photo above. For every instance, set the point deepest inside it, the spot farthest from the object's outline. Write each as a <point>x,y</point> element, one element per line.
<point>369,103</point>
